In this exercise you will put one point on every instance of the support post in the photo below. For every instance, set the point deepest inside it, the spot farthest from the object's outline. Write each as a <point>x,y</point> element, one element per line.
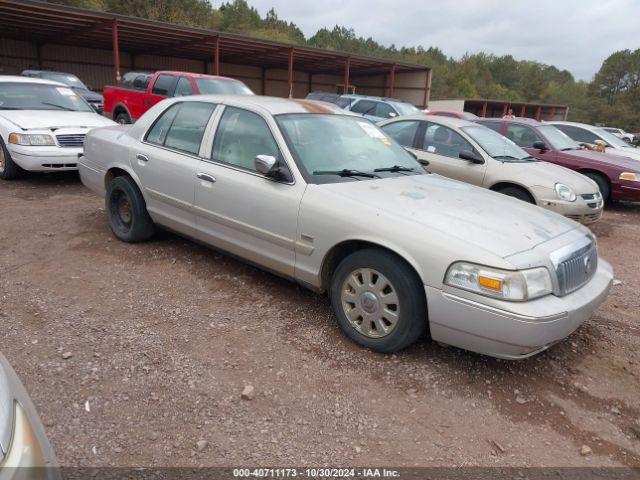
<point>553,113</point>
<point>347,67</point>
<point>523,109</point>
<point>505,109</point>
<point>116,51</point>
<point>263,81</point>
<point>290,73</point>
<point>216,56</point>
<point>538,112</point>
<point>484,110</point>
<point>310,85</point>
<point>427,89</point>
<point>392,80</point>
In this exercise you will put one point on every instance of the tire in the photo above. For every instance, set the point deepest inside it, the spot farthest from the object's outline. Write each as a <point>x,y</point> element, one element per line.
<point>367,320</point>
<point>517,192</point>
<point>603,184</point>
<point>127,211</point>
<point>9,170</point>
<point>123,118</point>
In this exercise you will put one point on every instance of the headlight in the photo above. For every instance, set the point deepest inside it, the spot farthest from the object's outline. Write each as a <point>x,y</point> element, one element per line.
<point>32,140</point>
<point>6,412</point>
<point>511,285</point>
<point>565,193</point>
<point>634,177</point>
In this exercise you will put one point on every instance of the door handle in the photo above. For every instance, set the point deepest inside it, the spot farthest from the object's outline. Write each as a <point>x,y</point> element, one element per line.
<point>142,158</point>
<point>206,177</point>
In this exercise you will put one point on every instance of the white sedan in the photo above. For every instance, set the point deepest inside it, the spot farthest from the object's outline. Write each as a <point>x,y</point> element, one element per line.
<point>583,133</point>
<point>42,126</point>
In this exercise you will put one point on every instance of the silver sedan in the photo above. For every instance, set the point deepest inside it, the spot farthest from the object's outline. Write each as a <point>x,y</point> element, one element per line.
<point>327,199</point>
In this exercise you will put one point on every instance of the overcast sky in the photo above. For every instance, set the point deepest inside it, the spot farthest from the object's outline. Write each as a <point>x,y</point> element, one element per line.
<point>576,35</point>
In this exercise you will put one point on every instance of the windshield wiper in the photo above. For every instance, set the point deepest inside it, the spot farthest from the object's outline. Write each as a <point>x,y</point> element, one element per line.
<point>346,172</point>
<point>395,168</point>
<point>62,107</point>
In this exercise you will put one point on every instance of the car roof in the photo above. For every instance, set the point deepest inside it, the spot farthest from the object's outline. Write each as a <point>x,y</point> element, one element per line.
<point>275,105</point>
<point>356,96</point>
<point>574,124</point>
<point>524,120</point>
<point>20,79</point>
<point>446,121</point>
<point>194,75</point>
<point>30,70</point>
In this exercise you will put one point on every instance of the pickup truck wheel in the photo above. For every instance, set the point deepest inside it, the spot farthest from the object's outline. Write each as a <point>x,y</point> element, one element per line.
<point>9,170</point>
<point>127,211</point>
<point>379,300</point>
<point>517,192</point>
<point>123,118</point>
<point>603,184</point>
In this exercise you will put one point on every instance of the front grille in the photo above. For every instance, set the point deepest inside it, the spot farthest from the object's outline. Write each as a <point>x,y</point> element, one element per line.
<point>578,269</point>
<point>71,140</point>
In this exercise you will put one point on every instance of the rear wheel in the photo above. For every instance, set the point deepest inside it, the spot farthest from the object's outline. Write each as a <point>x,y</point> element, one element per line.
<point>603,184</point>
<point>9,170</point>
<point>517,192</point>
<point>379,300</point>
<point>123,118</point>
<point>127,211</point>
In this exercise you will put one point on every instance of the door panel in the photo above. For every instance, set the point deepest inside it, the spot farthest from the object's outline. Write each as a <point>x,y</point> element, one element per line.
<point>441,146</point>
<point>239,209</point>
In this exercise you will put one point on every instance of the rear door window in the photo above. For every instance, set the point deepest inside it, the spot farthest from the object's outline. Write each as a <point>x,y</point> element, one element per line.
<point>441,140</point>
<point>165,85</point>
<point>522,135</point>
<point>578,134</point>
<point>384,110</point>
<point>182,126</point>
<point>365,107</point>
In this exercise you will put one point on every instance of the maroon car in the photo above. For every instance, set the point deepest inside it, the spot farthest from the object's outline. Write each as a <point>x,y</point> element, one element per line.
<point>618,177</point>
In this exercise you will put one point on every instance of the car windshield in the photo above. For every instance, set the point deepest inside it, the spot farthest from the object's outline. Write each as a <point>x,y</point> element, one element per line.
<point>343,144</point>
<point>406,108</point>
<point>67,79</point>
<point>211,86</point>
<point>558,139</point>
<point>497,146</point>
<point>35,96</point>
<point>611,139</point>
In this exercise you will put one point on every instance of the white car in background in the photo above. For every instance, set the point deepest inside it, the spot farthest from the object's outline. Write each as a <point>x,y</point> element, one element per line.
<point>620,133</point>
<point>583,133</point>
<point>42,126</point>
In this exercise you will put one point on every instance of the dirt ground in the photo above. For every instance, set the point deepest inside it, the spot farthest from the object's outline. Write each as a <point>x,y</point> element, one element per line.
<point>165,335</point>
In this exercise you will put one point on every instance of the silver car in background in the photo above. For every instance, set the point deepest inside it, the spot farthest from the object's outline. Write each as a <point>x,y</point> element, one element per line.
<point>25,452</point>
<point>327,199</point>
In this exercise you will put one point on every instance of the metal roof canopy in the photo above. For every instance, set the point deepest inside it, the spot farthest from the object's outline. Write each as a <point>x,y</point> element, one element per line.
<point>43,23</point>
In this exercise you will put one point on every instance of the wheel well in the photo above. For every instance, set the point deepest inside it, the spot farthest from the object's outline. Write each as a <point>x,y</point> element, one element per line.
<point>599,173</point>
<point>118,110</point>
<point>113,173</point>
<point>340,251</point>
<point>499,186</point>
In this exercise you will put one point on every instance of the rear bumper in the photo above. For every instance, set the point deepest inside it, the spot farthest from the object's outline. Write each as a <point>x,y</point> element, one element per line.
<point>518,330</point>
<point>38,160</point>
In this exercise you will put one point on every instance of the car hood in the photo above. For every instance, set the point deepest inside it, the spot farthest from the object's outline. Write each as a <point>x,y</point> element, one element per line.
<point>546,174</point>
<point>633,153</point>
<point>620,159</point>
<point>52,119</point>
<point>489,220</point>
<point>88,95</point>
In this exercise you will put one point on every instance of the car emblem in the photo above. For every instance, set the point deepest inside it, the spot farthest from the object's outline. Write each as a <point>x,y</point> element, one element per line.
<point>587,265</point>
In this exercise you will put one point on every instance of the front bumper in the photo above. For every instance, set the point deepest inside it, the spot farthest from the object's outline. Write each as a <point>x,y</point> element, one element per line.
<point>626,190</point>
<point>581,210</point>
<point>513,330</point>
<point>45,159</point>
<point>29,453</point>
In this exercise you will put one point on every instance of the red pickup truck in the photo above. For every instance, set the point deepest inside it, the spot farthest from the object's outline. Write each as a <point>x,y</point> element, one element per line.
<point>139,91</point>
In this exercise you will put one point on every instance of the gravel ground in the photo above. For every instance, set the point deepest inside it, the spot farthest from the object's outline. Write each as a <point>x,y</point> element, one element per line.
<point>138,355</point>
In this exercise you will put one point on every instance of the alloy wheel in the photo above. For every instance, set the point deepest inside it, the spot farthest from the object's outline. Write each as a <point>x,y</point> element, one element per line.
<point>370,303</point>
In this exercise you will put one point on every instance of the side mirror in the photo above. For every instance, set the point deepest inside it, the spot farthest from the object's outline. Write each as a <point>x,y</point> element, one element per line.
<point>269,166</point>
<point>472,157</point>
<point>265,164</point>
<point>392,114</point>
<point>540,145</point>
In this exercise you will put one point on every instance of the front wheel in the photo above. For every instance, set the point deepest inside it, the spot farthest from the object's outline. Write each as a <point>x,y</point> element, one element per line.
<point>127,211</point>
<point>9,170</point>
<point>517,192</point>
<point>603,184</point>
<point>379,300</point>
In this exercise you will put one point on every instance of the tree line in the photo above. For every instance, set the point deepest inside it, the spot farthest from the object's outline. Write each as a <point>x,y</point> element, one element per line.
<point>611,98</point>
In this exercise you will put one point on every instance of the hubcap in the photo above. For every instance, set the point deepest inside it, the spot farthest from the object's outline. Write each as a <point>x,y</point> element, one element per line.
<point>370,303</point>
<point>124,210</point>
<point>120,211</point>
